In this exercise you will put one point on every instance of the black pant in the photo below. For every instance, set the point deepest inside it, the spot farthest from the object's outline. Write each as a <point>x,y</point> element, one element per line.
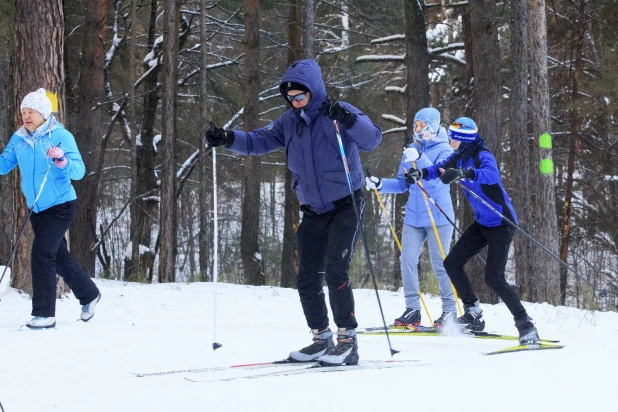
<point>50,256</point>
<point>325,246</point>
<point>475,238</point>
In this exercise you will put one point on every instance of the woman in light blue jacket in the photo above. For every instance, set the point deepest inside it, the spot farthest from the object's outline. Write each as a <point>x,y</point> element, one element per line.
<point>48,160</point>
<point>430,146</point>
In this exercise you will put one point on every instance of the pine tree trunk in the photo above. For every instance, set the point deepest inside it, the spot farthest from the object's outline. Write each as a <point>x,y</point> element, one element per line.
<point>167,214</point>
<point>144,208</point>
<point>573,138</point>
<point>37,62</point>
<point>518,115</point>
<point>542,283</point>
<point>6,194</point>
<point>291,218</point>
<point>85,124</point>
<point>249,246</point>
<point>308,32</point>
<point>482,46</point>
<point>416,96</point>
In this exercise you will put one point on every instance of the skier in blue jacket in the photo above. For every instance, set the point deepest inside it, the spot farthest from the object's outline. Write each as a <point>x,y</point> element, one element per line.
<point>476,168</point>
<point>329,227</point>
<point>430,146</point>
<point>48,160</point>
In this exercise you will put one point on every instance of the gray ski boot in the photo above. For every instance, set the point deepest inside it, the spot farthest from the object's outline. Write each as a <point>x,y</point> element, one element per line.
<point>346,351</point>
<point>322,343</point>
<point>528,335</point>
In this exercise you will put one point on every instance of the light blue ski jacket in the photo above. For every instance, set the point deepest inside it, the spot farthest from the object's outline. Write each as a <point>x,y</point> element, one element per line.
<point>29,152</point>
<point>432,151</point>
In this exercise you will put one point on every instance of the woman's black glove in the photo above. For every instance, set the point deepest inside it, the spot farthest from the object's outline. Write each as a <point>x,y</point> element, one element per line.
<point>453,175</point>
<point>413,176</point>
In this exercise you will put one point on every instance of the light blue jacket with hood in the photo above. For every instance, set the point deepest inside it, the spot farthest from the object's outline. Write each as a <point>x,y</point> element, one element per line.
<point>29,152</point>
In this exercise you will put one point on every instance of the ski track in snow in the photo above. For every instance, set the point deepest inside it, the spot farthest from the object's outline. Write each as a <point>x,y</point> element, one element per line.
<point>149,328</point>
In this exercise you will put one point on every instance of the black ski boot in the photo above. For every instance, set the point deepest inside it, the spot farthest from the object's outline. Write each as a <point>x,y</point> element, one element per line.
<point>472,318</point>
<point>322,343</point>
<point>411,317</point>
<point>447,318</point>
<point>346,351</point>
<point>528,335</point>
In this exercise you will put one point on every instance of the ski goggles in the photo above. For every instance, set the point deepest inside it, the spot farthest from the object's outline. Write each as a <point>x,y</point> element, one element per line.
<point>298,97</point>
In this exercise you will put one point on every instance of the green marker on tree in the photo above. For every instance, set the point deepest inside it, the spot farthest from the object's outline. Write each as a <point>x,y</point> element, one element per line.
<point>547,165</point>
<point>545,141</point>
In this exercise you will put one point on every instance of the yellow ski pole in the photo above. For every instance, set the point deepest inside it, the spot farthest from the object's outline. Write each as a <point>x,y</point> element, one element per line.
<point>435,231</point>
<point>398,244</point>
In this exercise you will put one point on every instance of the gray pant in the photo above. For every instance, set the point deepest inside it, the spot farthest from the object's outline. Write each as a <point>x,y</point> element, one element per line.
<point>413,240</point>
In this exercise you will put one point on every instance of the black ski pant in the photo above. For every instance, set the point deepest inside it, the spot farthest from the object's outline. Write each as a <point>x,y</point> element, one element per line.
<point>475,238</point>
<point>50,256</point>
<point>325,246</point>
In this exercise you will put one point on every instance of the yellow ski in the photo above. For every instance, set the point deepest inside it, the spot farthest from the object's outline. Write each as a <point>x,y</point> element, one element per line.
<point>521,348</point>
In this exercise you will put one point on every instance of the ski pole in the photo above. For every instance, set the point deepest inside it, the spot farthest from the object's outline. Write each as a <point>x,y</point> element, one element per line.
<point>467,189</point>
<point>447,218</point>
<point>215,270</point>
<point>435,231</point>
<point>21,232</point>
<point>360,226</point>
<point>388,220</point>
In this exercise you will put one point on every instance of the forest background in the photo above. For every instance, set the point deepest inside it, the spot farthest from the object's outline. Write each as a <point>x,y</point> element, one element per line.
<point>138,82</point>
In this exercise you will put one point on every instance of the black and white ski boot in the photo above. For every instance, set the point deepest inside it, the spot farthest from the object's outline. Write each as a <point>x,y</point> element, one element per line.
<point>346,351</point>
<point>322,343</point>
<point>528,335</point>
<point>447,318</point>
<point>472,318</point>
<point>411,317</point>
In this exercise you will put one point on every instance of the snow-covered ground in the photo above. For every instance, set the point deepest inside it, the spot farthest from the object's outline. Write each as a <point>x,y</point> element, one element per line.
<point>147,328</point>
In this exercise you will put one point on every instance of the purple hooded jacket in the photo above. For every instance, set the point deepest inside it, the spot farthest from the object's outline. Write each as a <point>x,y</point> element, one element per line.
<point>310,142</point>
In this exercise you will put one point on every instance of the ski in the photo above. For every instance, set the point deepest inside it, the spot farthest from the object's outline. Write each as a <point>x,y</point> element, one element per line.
<point>313,367</point>
<point>433,331</point>
<point>522,348</point>
<point>246,366</point>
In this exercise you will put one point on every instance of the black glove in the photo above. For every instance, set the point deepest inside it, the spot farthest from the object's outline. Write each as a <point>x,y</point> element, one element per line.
<point>452,175</point>
<point>413,176</point>
<point>216,136</point>
<point>334,110</point>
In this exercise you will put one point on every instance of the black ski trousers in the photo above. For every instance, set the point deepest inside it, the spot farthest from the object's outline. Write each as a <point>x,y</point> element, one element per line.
<point>325,246</point>
<point>50,256</point>
<point>475,238</point>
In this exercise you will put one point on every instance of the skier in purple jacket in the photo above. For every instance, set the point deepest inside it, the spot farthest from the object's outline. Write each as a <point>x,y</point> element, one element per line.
<point>329,227</point>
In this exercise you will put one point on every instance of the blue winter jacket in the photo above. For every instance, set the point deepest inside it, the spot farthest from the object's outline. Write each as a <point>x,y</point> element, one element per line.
<point>486,184</point>
<point>310,142</point>
<point>29,151</point>
<point>432,151</point>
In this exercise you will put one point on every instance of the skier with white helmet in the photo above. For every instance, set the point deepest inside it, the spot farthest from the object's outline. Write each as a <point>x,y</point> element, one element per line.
<point>430,146</point>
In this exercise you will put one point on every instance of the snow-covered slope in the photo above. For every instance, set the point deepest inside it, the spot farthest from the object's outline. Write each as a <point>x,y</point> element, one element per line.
<point>146,328</point>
